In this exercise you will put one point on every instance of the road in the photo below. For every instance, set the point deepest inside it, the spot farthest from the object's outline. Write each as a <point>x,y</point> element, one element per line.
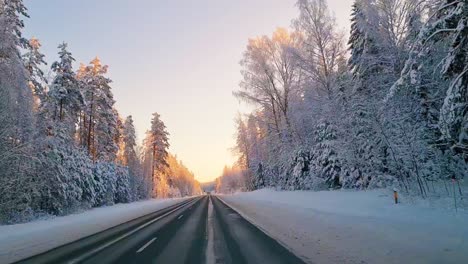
<point>199,230</point>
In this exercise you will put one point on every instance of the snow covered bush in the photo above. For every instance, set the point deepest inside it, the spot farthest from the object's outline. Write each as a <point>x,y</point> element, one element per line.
<point>66,176</point>
<point>105,177</point>
<point>325,161</point>
<point>123,192</point>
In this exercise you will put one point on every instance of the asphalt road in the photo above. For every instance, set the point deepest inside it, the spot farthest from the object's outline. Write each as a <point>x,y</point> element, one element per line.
<point>200,230</point>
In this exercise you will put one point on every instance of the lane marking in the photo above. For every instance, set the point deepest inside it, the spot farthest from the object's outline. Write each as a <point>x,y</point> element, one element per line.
<point>146,245</point>
<point>110,243</point>
<point>210,255</point>
<point>249,220</point>
<point>180,216</point>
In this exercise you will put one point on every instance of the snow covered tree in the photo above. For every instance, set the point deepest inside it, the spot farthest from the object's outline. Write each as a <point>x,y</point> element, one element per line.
<point>105,175</point>
<point>64,100</point>
<point>322,48</point>
<point>124,192</point>
<point>322,58</point>
<point>428,128</point>
<point>64,169</point>
<point>130,157</point>
<point>129,139</point>
<point>325,160</point>
<point>363,43</point>
<point>67,160</point>
<point>12,25</point>
<point>16,96</point>
<point>17,187</point>
<point>453,22</point>
<point>243,146</point>
<point>373,69</point>
<point>379,41</point>
<point>271,81</point>
<point>98,126</point>
<point>184,182</point>
<point>65,88</point>
<point>270,76</point>
<point>112,184</point>
<point>346,133</point>
<point>66,175</point>
<point>446,28</point>
<point>33,61</point>
<point>156,152</point>
<point>231,181</point>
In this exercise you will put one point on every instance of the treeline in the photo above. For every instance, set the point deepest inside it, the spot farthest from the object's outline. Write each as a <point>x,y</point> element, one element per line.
<point>63,145</point>
<point>390,108</point>
<point>232,180</point>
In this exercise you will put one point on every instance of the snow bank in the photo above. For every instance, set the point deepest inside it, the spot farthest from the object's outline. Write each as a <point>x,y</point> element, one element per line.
<point>24,240</point>
<point>357,227</point>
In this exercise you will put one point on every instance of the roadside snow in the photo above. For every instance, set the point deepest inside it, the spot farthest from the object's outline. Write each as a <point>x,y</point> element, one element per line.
<point>24,240</point>
<point>356,227</point>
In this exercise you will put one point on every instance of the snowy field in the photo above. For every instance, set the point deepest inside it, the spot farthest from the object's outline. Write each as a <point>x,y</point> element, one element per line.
<point>357,227</point>
<point>25,240</point>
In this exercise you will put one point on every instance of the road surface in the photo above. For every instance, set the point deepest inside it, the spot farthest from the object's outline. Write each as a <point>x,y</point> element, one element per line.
<point>199,230</point>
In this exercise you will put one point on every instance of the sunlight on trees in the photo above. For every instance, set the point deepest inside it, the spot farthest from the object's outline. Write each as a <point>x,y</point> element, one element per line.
<point>386,112</point>
<point>63,145</point>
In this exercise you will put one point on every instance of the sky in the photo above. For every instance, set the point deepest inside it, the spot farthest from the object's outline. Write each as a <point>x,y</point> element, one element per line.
<point>179,58</point>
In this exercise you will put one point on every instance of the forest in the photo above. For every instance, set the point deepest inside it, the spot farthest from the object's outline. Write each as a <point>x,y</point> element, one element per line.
<point>64,147</point>
<point>384,105</point>
<point>388,107</point>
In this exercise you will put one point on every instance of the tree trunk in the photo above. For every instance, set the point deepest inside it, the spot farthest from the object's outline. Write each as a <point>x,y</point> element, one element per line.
<point>90,124</point>
<point>61,109</point>
<point>152,169</point>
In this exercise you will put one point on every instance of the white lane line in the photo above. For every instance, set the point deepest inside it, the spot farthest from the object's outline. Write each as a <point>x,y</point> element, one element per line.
<point>180,216</point>
<point>146,245</point>
<point>108,244</point>
<point>210,255</point>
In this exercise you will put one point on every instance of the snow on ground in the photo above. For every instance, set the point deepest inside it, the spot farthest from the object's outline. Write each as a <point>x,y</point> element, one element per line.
<point>357,227</point>
<point>24,240</point>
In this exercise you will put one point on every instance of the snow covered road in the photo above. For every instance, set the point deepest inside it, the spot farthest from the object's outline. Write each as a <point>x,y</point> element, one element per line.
<point>356,227</point>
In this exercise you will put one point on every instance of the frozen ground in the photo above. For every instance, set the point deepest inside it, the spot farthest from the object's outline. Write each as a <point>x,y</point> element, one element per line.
<point>25,240</point>
<point>357,227</point>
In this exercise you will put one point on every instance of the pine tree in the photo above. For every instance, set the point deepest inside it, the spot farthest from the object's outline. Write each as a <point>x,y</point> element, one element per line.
<point>356,39</point>
<point>65,100</point>
<point>446,30</point>
<point>184,182</point>
<point>130,157</point>
<point>18,190</point>
<point>98,126</point>
<point>243,148</point>
<point>324,157</point>
<point>66,173</point>
<point>414,117</point>
<point>129,139</point>
<point>454,112</point>
<point>33,61</point>
<point>367,70</point>
<point>10,20</point>
<point>65,170</point>
<point>157,144</point>
<point>16,94</point>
